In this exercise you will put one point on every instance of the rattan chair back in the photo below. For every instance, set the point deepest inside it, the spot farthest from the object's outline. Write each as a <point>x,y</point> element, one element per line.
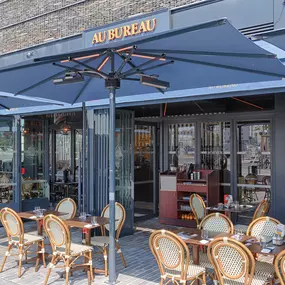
<point>231,260</point>
<point>171,253</point>
<point>120,216</point>
<point>58,234</point>
<point>198,207</point>
<point>264,226</point>
<point>279,266</point>
<point>13,225</point>
<point>68,206</point>
<point>217,222</point>
<point>261,210</point>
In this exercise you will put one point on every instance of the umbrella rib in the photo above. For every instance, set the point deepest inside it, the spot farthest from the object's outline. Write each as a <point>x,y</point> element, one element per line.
<point>4,106</point>
<point>219,65</point>
<point>267,55</point>
<point>82,90</point>
<point>100,73</point>
<point>134,66</point>
<point>128,58</point>
<point>47,79</point>
<point>138,67</point>
<point>150,68</point>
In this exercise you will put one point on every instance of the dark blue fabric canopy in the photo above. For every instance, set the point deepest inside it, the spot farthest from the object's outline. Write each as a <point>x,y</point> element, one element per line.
<point>211,54</point>
<point>8,101</point>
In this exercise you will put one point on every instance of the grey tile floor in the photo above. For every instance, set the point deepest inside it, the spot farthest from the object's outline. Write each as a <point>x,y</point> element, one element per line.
<point>141,266</point>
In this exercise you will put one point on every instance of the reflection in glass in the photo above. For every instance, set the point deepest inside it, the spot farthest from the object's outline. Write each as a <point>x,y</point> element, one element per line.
<point>6,161</point>
<point>215,151</point>
<point>253,161</point>
<point>63,155</point>
<point>181,144</point>
<point>124,157</point>
<point>33,183</point>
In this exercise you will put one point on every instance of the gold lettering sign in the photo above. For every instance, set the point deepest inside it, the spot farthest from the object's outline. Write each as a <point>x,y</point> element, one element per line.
<point>129,30</point>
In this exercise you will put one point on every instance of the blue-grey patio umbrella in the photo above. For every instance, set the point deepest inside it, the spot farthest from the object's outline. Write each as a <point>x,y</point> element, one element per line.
<point>209,55</point>
<point>8,101</point>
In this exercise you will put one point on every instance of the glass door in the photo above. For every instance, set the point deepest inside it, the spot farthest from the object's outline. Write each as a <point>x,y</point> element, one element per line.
<point>215,151</point>
<point>145,171</point>
<point>7,162</point>
<point>254,161</point>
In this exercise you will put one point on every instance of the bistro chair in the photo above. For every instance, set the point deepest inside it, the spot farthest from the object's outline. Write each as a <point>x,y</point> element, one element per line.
<point>14,228</point>
<point>64,250</point>
<point>263,226</point>
<point>261,211</point>
<point>67,205</point>
<point>279,267</point>
<point>198,207</point>
<point>173,259</point>
<point>218,223</point>
<point>102,242</point>
<point>233,263</point>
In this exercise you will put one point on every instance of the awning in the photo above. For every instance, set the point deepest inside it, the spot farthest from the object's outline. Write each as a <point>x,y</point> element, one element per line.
<point>9,102</point>
<point>214,54</point>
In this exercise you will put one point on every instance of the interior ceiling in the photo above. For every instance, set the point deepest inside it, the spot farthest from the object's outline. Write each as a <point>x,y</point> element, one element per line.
<point>225,105</point>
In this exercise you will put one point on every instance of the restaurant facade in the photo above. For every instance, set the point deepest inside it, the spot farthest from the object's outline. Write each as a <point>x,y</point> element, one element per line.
<point>236,130</point>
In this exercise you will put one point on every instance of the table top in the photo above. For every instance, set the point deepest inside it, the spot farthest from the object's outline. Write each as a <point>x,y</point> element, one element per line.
<point>253,245</point>
<point>196,240</point>
<point>80,223</point>
<point>256,248</point>
<point>240,209</point>
<point>30,215</point>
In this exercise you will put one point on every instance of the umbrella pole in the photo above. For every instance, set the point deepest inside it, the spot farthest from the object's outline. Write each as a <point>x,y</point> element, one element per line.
<point>112,169</point>
<point>83,157</point>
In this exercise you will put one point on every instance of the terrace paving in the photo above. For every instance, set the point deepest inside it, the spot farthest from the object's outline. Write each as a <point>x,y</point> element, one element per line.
<point>141,265</point>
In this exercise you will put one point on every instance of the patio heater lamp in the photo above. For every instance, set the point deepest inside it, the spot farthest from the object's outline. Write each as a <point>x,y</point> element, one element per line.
<point>70,77</point>
<point>65,128</point>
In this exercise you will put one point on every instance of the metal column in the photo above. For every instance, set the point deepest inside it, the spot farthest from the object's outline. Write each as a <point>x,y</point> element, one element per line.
<point>112,169</point>
<point>18,166</point>
<point>84,184</point>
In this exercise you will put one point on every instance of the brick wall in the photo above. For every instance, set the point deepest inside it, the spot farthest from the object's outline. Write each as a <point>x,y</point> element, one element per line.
<point>24,23</point>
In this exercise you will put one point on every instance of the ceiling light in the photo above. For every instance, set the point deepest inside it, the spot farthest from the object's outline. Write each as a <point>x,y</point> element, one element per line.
<point>65,129</point>
<point>153,82</point>
<point>70,77</point>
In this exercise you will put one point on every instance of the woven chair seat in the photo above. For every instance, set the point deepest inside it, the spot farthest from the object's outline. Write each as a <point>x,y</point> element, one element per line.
<point>29,238</point>
<point>241,228</point>
<point>193,271</point>
<point>264,269</point>
<point>75,249</point>
<point>255,281</point>
<point>100,241</point>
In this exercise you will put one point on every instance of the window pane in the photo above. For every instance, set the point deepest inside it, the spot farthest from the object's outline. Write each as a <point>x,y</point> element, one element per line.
<point>7,185</point>
<point>181,144</point>
<point>215,151</point>
<point>254,161</point>
<point>34,184</point>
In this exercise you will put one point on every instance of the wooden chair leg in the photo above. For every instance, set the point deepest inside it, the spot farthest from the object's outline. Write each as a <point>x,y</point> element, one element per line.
<point>52,263</point>
<point>204,279</point>
<point>161,282</point>
<point>121,254</point>
<point>20,260</point>
<point>91,266</point>
<point>43,253</point>
<point>105,254</point>
<point>67,269</point>
<point>5,257</point>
